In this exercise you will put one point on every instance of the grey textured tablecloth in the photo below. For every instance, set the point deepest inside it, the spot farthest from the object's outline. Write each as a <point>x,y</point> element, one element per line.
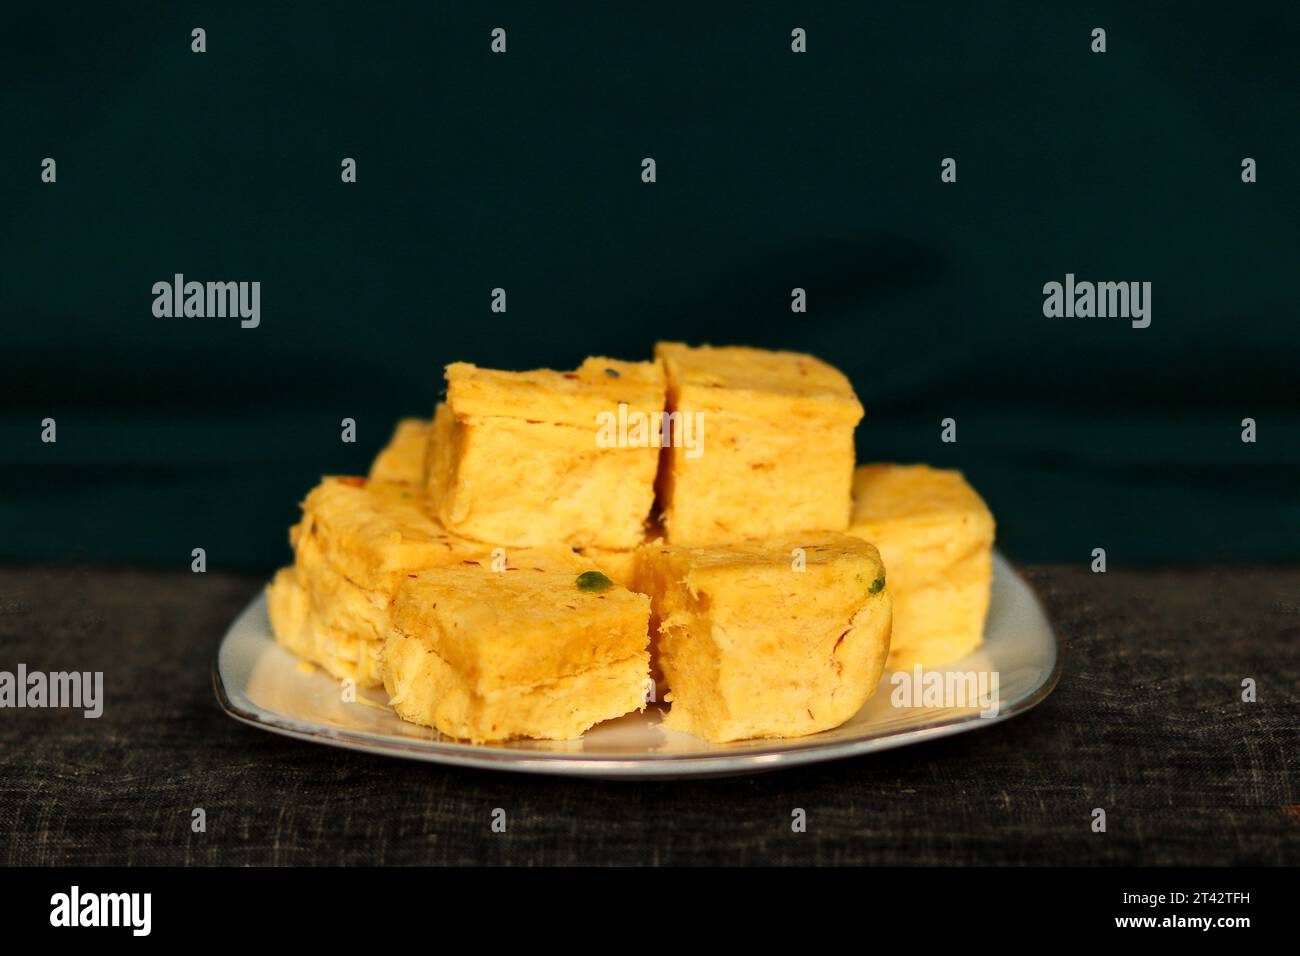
<point>1147,723</point>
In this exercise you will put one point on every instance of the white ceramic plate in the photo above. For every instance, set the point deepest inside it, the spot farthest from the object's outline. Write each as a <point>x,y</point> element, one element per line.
<point>260,683</point>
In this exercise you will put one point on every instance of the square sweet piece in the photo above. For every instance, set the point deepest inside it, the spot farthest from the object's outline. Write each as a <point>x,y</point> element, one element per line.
<point>402,459</point>
<point>373,533</point>
<point>935,535</point>
<point>538,458</point>
<point>775,638</point>
<point>356,542</point>
<point>773,437</point>
<point>536,646</point>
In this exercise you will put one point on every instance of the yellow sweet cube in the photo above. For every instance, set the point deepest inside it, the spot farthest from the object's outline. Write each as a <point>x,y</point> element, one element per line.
<point>543,457</point>
<point>356,542</point>
<point>373,533</point>
<point>765,444</point>
<point>537,646</point>
<point>935,535</point>
<point>402,459</point>
<point>776,638</point>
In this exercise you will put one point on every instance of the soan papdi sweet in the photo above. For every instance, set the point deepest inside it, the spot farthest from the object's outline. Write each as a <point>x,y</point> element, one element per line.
<point>356,542</point>
<point>536,646</point>
<point>528,458</point>
<point>935,535</point>
<point>402,459</point>
<point>773,638</point>
<point>773,450</point>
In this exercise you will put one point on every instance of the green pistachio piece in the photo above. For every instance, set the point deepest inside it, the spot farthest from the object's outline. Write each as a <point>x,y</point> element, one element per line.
<point>593,581</point>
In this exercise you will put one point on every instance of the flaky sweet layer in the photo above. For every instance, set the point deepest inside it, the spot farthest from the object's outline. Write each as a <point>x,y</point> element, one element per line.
<point>527,459</point>
<point>531,616</point>
<point>760,382</point>
<point>751,647</point>
<point>342,655</point>
<point>426,689</point>
<point>935,535</point>
<point>352,615</point>
<point>528,484</point>
<point>440,457</point>
<point>939,624</point>
<point>543,395</point>
<point>402,459</point>
<point>287,605</point>
<point>375,532</point>
<point>883,492</point>
<point>356,541</point>
<point>774,445</point>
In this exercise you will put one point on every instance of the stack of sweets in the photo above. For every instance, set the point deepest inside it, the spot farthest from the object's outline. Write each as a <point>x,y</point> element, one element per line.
<point>450,576</point>
<point>511,566</point>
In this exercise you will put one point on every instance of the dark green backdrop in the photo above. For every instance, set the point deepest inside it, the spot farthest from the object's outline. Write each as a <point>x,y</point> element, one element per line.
<point>775,170</point>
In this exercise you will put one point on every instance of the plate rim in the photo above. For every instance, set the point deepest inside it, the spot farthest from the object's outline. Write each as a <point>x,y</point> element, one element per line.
<point>784,755</point>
